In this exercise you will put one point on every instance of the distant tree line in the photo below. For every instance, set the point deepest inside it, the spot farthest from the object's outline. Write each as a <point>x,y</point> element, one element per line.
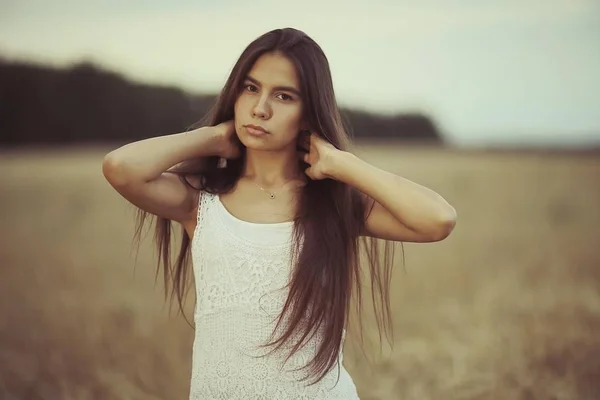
<point>86,104</point>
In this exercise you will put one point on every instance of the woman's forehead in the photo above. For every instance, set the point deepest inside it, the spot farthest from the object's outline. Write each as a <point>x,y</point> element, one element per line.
<point>273,69</point>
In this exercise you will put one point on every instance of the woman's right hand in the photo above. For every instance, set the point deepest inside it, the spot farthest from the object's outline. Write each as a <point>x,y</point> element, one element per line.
<point>228,143</point>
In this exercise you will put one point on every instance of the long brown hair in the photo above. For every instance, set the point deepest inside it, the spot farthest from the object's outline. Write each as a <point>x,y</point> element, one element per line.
<point>329,221</point>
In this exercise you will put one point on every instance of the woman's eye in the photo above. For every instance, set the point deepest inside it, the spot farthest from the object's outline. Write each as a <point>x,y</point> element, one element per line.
<point>285,97</point>
<point>251,88</point>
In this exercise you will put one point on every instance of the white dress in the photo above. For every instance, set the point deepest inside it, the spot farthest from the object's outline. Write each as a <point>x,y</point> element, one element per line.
<point>240,269</point>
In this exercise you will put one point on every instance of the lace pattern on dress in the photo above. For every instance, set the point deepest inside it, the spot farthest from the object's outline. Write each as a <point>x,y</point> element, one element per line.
<point>240,291</point>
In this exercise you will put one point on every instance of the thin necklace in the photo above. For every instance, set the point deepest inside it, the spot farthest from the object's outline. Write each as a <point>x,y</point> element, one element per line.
<point>271,194</point>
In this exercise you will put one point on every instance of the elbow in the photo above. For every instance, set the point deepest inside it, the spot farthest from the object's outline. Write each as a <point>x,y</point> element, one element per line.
<point>115,171</point>
<point>445,225</point>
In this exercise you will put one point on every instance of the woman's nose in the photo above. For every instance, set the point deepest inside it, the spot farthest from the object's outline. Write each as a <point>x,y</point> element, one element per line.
<point>261,109</point>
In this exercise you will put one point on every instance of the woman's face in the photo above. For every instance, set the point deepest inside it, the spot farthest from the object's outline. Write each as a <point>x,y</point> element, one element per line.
<point>270,99</point>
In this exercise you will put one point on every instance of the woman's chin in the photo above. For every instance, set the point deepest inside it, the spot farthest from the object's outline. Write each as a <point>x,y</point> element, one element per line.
<point>255,143</point>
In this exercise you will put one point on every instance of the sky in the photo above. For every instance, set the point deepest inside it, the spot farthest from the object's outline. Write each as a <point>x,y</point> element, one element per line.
<point>486,71</point>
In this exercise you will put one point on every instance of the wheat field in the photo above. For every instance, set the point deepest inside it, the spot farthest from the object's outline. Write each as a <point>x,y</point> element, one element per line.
<point>507,307</point>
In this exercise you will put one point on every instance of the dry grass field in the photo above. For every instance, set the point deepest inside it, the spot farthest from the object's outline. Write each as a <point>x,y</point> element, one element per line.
<point>508,307</point>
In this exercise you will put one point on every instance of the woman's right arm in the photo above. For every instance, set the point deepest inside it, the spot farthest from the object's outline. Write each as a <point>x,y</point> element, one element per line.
<point>138,170</point>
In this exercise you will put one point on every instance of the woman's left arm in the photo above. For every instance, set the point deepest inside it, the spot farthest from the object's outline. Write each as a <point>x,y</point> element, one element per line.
<point>401,209</point>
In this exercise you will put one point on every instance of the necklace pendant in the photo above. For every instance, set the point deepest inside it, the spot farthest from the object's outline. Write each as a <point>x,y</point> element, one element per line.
<point>272,195</point>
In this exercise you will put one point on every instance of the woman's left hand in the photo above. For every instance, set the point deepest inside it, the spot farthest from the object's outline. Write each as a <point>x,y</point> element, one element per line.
<point>321,157</point>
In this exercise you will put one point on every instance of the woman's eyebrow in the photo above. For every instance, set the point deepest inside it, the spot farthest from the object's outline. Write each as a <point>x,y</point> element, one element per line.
<point>284,88</point>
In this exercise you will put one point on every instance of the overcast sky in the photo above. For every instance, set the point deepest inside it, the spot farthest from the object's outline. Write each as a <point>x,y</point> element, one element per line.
<point>495,70</point>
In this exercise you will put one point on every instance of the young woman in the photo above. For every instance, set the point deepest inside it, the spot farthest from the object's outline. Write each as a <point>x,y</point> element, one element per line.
<point>272,205</point>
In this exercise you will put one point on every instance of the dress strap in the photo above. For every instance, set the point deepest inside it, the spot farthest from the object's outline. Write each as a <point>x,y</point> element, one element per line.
<point>199,212</point>
<point>204,199</point>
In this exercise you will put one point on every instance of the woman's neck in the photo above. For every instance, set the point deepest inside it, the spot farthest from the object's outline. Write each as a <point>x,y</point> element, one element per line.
<point>269,168</point>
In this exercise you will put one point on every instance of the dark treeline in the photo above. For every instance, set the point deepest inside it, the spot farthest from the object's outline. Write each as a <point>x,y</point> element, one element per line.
<point>83,103</point>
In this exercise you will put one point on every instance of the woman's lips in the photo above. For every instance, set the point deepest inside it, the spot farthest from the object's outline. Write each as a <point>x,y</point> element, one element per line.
<point>256,130</point>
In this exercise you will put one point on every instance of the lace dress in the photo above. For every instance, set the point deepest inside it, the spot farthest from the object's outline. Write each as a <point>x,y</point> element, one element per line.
<point>240,271</point>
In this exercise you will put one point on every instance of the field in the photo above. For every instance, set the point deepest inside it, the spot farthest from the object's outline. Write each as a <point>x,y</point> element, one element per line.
<point>508,307</point>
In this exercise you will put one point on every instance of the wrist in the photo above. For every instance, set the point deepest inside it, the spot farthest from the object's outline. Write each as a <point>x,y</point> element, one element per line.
<point>338,163</point>
<point>212,139</point>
